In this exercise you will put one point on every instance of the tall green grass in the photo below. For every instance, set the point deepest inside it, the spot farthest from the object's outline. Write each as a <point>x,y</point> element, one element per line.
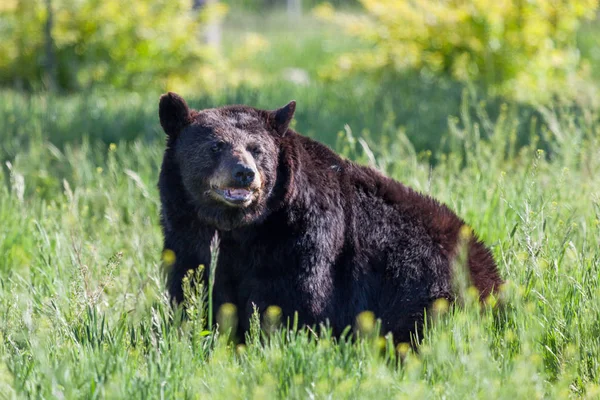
<point>418,107</point>
<point>83,311</point>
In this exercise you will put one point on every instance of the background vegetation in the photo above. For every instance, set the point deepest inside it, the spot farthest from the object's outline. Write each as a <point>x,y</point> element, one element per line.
<point>521,49</point>
<point>514,149</point>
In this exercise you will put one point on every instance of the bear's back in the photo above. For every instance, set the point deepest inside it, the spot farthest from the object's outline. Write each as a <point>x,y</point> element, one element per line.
<point>389,224</point>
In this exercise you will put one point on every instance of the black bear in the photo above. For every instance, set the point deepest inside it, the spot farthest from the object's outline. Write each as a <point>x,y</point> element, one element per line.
<point>301,227</point>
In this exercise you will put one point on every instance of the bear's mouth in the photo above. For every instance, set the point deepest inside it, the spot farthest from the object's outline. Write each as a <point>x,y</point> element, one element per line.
<point>235,196</point>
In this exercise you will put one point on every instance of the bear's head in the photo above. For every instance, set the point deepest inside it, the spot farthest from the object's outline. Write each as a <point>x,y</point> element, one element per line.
<point>227,157</point>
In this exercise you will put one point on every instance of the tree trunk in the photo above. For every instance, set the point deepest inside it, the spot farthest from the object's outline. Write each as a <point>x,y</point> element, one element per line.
<point>294,8</point>
<point>50,61</point>
<point>212,33</point>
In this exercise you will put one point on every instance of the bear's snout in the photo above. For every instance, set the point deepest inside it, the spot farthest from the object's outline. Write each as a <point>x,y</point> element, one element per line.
<point>236,182</point>
<point>243,175</point>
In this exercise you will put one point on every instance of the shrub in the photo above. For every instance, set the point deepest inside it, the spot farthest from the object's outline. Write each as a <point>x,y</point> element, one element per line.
<point>123,44</point>
<point>525,50</point>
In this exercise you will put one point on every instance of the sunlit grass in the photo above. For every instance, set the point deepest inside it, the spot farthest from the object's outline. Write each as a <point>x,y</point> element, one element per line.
<point>83,311</point>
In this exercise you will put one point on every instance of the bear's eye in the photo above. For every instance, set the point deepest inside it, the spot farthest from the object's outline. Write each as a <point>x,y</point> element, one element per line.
<point>254,150</point>
<point>217,147</point>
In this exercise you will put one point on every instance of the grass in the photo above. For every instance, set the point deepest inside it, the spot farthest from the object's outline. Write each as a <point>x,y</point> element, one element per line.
<point>84,314</point>
<point>418,107</point>
<point>303,42</point>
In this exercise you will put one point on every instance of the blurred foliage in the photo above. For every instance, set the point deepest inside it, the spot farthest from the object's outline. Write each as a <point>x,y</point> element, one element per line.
<point>128,45</point>
<point>418,108</point>
<point>292,49</point>
<point>524,50</point>
<point>588,42</point>
<point>269,5</point>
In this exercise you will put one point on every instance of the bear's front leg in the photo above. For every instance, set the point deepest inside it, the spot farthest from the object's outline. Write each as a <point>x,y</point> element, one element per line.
<point>269,295</point>
<point>181,256</point>
<point>309,294</point>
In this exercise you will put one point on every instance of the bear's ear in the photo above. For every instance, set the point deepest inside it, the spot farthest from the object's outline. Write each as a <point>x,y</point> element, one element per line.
<point>280,119</point>
<point>174,113</point>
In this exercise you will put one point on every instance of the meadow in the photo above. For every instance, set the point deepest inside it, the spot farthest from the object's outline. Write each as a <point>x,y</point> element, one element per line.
<point>83,308</point>
<point>85,314</point>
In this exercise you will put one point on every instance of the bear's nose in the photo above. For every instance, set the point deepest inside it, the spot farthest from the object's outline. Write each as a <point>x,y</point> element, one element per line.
<point>243,174</point>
